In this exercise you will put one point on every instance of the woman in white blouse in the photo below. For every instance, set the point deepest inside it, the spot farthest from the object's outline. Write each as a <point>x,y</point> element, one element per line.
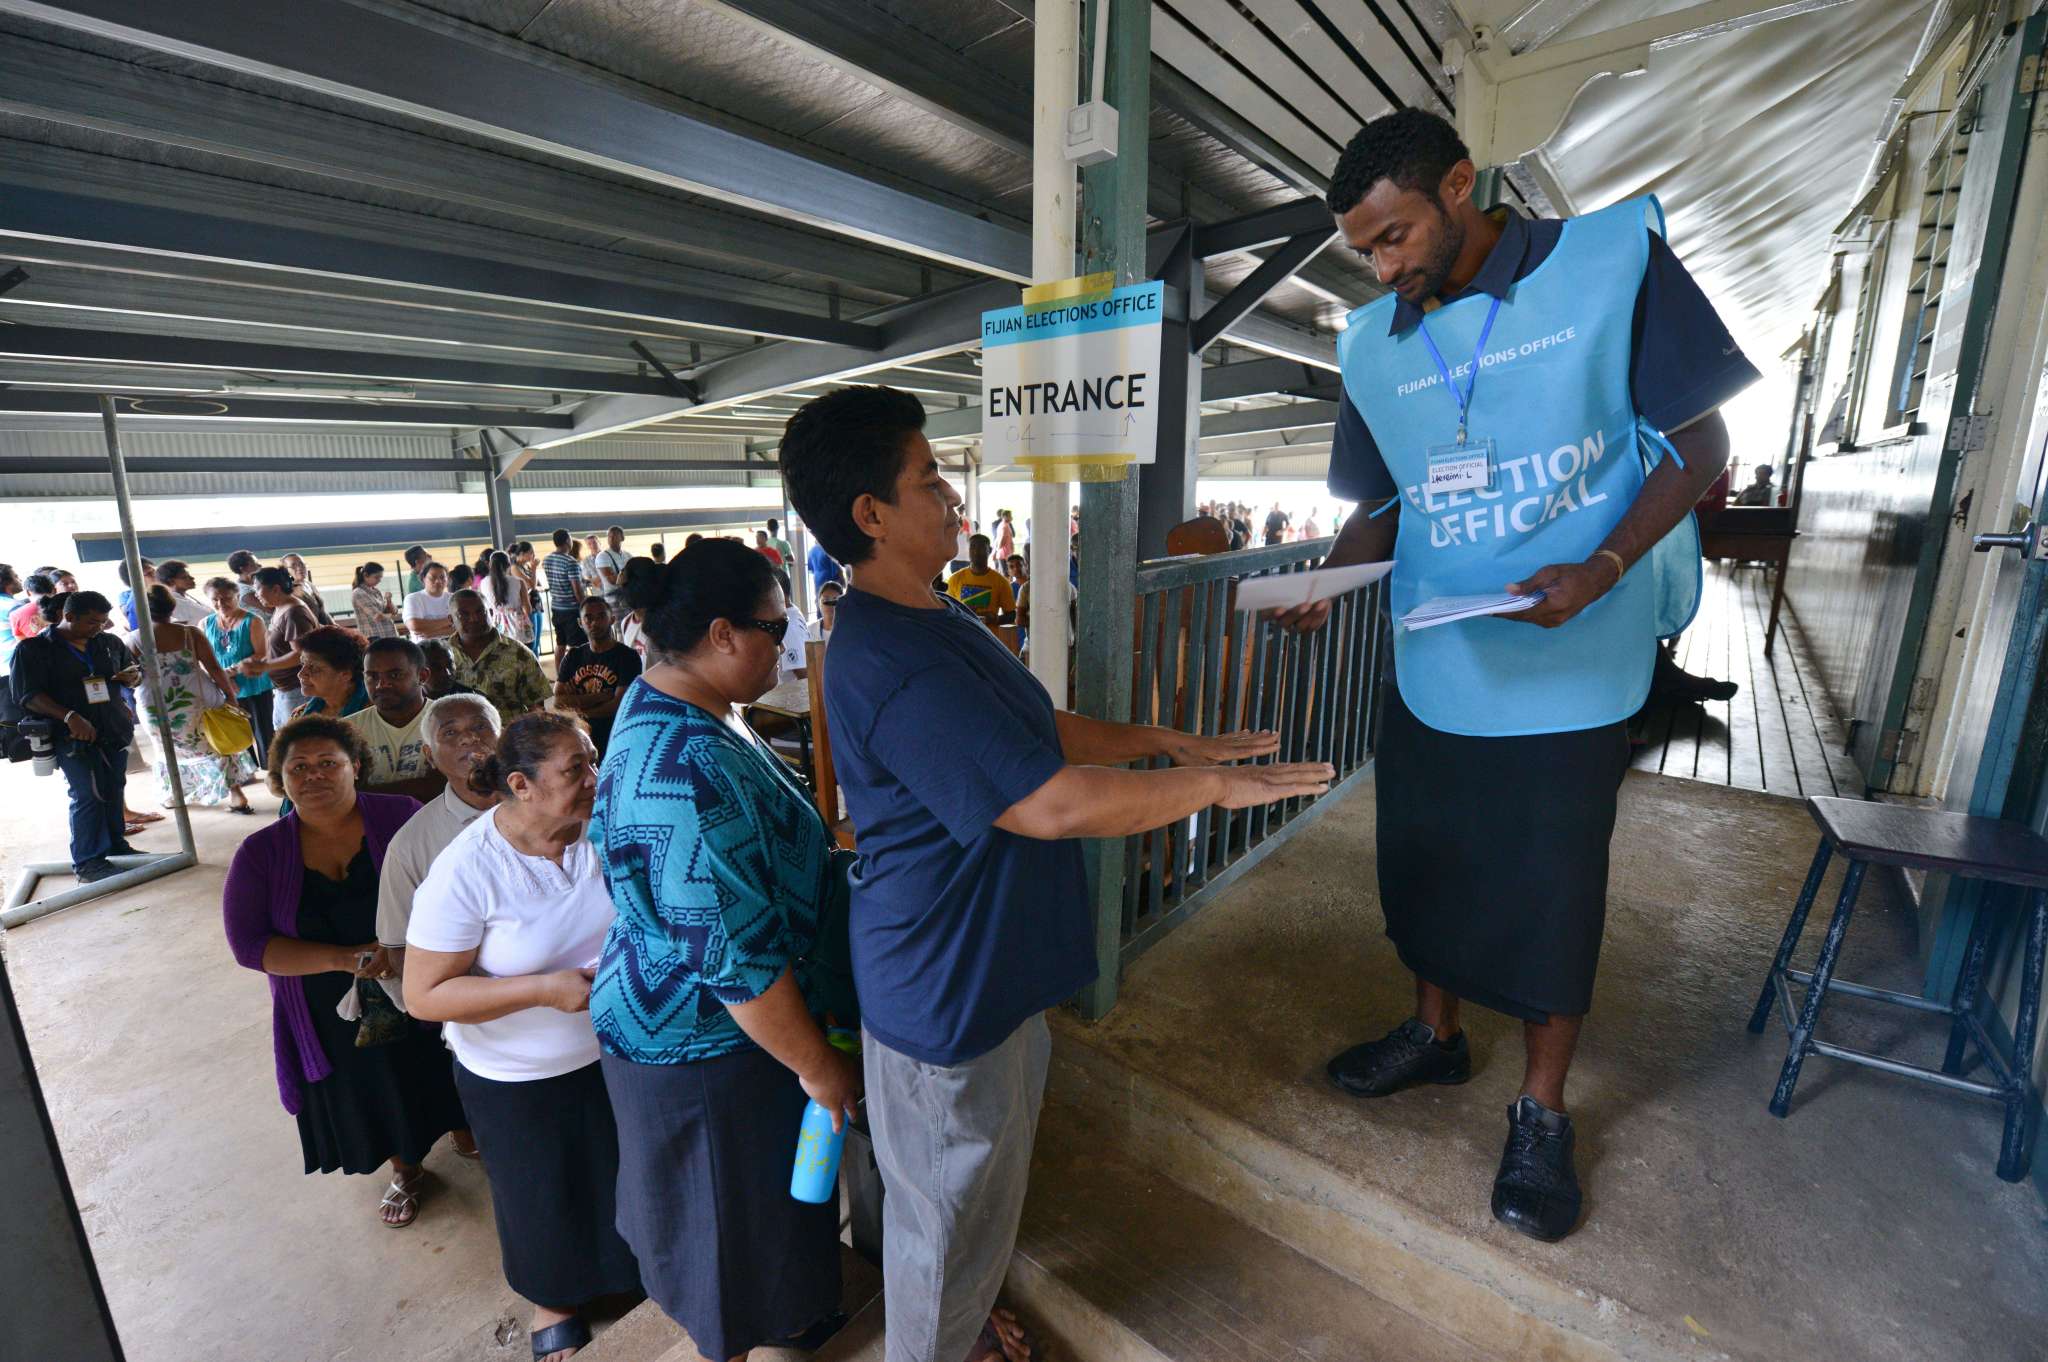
<point>504,938</point>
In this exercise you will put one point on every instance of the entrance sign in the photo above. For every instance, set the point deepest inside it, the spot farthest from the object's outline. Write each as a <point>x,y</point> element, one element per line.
<point>1070,380</point>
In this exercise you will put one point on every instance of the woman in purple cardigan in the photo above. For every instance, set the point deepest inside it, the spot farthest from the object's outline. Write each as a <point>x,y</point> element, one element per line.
<point>301,906</point>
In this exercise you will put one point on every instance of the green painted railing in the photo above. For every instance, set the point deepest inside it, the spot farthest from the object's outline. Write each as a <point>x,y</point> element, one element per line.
<point>1202,667</point>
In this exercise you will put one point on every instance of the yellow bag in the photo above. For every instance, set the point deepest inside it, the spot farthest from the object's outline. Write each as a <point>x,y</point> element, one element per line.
<point>227,731</point>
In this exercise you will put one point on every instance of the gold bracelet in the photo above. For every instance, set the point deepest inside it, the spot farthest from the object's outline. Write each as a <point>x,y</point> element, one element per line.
<point>1620,568</point>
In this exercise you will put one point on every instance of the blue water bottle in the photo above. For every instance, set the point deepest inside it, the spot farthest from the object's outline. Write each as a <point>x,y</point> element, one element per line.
<point>815,1179</point>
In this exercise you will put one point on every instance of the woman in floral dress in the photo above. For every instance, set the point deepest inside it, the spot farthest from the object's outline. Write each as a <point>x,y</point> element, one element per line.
<point>193,682</point>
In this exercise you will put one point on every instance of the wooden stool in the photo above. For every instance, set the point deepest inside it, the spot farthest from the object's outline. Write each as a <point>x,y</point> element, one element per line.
<point>1984,849</point>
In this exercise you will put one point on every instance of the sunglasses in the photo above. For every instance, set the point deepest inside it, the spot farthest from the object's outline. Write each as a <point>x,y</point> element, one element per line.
<point>776,630</point>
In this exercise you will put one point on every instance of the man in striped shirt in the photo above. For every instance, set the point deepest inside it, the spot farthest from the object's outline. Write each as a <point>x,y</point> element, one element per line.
<point>565,592</point>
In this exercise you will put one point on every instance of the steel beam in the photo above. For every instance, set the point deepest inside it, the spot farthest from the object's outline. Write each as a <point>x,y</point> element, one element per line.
<point>80,89</point>
<point>1259,377</point>
<point>1267,227</point>
<point>179,352</point>
<point>29,215</point>
<point>489,88</point>
<point>1284,416</point>
<point>937,325</point>
<point>878,49</point>
<point>1250,291</point>
<point>233,409</point>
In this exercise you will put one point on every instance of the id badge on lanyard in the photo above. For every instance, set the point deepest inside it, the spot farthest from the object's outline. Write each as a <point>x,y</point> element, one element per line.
<point>1464,464</point>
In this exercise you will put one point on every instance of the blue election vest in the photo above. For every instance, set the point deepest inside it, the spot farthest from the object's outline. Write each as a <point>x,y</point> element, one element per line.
<point>1570,455</point>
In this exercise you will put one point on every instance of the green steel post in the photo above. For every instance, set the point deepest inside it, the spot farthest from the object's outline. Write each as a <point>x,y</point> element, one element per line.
<point>1113,196</point>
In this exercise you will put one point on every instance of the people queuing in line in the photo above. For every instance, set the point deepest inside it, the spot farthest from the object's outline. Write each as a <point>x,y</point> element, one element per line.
<point>508,596</point>
<point>592,676</point>
<point>499,668</point>
<point>73,672</point>
<point>566,590</point>
<point>369,1087</point>
<point>125,602</point>
<point>428,611</point>
<point>981,588</point>
<point>708,998</point>
<point>456,734</point>
<point>331,672</point>
<point>239,645</point>
<point>376,616</point>
<point>969,915</point>
<point>287,621</point>
<point>392,724</point>
<point>608,564</point>
<point>827,618</point>
<point>193,683</point>
<point>501,946</point>
<point>303,586</point>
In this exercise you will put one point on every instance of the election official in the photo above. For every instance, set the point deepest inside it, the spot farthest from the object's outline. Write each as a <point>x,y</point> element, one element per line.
<point>1530,411</point>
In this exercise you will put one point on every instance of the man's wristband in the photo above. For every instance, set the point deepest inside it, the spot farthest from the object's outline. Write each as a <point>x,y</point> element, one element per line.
<point>1620,568</point>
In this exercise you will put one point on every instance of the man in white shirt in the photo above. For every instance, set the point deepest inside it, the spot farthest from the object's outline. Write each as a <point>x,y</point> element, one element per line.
<point>611,565</point>
<point>395,675</point>
<point>177,578</point>
<point>429,612</point>
<point>459,732</point>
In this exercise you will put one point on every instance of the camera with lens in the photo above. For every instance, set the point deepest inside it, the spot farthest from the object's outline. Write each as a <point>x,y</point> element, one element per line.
<point>32,737</point>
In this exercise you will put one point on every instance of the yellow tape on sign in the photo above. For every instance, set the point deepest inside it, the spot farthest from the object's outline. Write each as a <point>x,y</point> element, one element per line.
<point>1094,468</point>
<point>1066,290</point>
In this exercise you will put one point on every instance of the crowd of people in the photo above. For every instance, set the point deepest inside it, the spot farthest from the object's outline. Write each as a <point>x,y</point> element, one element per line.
<point>591,929</point>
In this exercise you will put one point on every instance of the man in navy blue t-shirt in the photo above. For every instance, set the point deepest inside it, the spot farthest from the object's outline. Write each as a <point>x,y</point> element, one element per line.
<point>969,792</point>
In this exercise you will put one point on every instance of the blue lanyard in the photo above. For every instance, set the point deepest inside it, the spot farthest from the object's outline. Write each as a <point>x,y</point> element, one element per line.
<point>1478,351</point>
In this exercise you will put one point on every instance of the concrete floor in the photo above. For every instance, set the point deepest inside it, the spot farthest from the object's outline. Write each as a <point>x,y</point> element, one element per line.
<point>154,1049</point>
<point>155,1056</point>
<point>1868,1226</point>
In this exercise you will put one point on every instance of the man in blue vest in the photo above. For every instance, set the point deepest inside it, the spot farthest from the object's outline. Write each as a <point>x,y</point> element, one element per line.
<point>1531,411</point>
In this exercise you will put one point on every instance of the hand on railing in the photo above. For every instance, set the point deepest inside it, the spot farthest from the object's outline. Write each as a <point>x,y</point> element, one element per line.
<point>1247,786</point>
<point>1220,749</point>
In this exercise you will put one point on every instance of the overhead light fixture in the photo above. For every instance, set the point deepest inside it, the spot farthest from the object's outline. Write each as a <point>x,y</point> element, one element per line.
<point>316,391</point>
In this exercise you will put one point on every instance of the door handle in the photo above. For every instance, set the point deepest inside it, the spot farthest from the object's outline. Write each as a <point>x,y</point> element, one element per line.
<point>2031,541</point>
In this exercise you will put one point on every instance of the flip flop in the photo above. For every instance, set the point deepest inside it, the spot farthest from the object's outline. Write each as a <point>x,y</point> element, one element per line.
<point>403,1197</point>
<point>147,818</point>
<point>570,1333</point>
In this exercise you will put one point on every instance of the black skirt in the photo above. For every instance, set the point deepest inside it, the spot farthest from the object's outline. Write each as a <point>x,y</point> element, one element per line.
<point>551,1154</point>
<point>705,1152</point>
<point>1493,859</point>
<point>380,1101</point>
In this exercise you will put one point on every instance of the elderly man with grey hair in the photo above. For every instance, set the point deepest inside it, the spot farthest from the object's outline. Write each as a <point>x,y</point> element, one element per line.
<point>459,732</point>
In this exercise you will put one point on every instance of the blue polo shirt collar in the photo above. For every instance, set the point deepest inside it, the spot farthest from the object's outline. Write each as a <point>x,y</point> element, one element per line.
<point>1502,267</point>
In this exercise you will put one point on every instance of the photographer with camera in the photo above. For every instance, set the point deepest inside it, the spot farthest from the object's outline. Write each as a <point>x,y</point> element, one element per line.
<point>72,673</point>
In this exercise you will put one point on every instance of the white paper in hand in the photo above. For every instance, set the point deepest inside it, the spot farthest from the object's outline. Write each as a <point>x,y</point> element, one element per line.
<point>1286,590</point>
<point>1449,609</point>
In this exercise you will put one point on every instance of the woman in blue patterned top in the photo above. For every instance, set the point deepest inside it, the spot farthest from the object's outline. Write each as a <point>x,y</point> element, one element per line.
<point>704,1001</point>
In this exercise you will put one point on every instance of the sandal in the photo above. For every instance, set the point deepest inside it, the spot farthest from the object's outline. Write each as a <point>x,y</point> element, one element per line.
<point>403,1199</point>
<point>145,817</point>
<point>571,1333</point>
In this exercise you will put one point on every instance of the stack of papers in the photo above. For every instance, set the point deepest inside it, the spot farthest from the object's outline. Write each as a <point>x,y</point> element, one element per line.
<point>1450,609</point>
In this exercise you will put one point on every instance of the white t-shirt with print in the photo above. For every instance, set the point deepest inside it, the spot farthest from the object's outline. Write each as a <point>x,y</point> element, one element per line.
<point>395,753</point>
<point>793,659</point>
<point>522,915</point>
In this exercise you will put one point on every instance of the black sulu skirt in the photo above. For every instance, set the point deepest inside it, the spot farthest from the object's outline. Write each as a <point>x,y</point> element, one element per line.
<point>1493,858</point>
<point>705,1152</point>
<point>551,1153</point>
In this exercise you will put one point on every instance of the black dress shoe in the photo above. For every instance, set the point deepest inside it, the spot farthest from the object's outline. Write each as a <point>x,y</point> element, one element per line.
<point>1537,1190</point>
<point>1407,1055</point>
<point>99,868</point>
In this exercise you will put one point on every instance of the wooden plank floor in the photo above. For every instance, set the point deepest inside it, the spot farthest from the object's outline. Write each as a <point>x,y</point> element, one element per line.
<point>1778,734</point>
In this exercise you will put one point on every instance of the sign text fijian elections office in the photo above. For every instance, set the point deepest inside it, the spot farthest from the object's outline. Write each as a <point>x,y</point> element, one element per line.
<point>1070,380</point>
